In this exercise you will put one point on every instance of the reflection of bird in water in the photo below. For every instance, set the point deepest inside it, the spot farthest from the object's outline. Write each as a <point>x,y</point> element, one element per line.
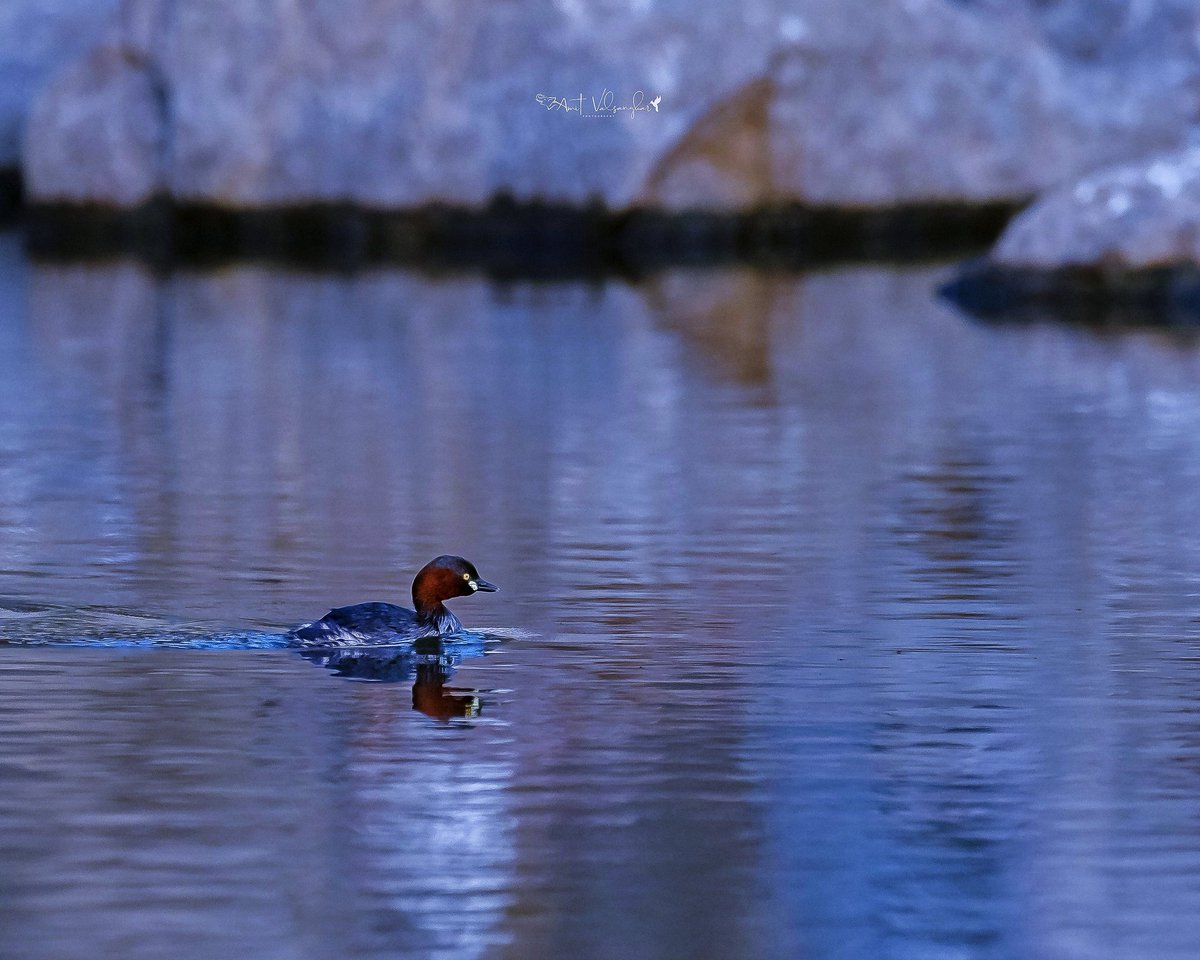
<point>434,699</point>
<point>428,663</point>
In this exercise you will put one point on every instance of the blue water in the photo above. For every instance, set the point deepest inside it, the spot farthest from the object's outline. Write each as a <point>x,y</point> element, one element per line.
<point>832,624</point>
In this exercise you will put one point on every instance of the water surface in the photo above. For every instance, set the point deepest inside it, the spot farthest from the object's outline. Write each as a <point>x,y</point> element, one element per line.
<point>837,625</point>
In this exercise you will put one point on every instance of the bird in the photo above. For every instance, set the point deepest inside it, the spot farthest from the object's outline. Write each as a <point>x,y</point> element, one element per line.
<point>365,624</point>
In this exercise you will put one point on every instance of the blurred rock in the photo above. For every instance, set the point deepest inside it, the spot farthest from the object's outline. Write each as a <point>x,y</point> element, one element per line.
<point>1107,31</point>
<point>1134,216</point>
<point>924,102</point>
<point>403,103</point>
<point>1132,69</point>
<point>36,38</point>
<point>106,133</point>
<point>883,104</point>
<point>1119,248</point>
<point>1119,245</point>
<point>724,161</point>
<point>397,102</point>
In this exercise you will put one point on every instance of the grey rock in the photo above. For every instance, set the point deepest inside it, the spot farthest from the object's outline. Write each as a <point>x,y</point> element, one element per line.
<point>893,103</point>
<point>103,138</point>
<point>1133,216</point>
<point>1107,31</point>
<point>1131,70</point>
<point>401,103</point>
<point>878,104</point>
<point>37,37</point>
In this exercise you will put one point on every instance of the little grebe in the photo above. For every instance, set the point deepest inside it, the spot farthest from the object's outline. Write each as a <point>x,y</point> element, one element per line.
<point>369,623</point>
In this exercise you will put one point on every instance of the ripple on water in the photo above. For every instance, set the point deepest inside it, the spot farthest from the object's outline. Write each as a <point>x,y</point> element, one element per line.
<point>848,628</point>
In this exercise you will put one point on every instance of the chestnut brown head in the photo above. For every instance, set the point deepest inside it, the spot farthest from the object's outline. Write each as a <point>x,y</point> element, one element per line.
<point>444,578</point>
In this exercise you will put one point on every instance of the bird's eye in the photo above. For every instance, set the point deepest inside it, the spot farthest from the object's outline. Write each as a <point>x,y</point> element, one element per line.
<point>466,576</point>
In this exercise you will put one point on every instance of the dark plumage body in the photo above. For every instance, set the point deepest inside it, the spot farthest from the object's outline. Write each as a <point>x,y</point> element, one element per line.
<point>364,624</point>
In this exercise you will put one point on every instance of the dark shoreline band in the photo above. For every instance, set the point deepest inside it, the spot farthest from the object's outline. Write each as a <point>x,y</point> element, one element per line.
<point>511,239</point>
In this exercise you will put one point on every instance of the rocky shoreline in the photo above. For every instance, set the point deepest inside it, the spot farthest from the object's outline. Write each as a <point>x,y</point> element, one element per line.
<point>555,139</point>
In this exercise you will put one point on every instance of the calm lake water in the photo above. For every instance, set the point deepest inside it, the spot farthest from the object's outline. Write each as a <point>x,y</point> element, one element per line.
<point>836,625</point>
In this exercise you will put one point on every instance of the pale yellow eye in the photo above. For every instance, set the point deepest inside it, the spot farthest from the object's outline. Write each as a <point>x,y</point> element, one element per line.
<point>466,576</point>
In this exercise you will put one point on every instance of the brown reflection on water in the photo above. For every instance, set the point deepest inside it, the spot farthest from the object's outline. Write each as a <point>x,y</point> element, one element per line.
<point>727,315</point>
<point>432,697</point>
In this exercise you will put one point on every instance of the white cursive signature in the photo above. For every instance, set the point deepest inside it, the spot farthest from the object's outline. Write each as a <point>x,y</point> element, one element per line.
<point>603,106</point>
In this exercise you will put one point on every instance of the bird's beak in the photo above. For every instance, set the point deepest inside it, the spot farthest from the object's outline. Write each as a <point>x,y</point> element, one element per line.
<point>482,585</point>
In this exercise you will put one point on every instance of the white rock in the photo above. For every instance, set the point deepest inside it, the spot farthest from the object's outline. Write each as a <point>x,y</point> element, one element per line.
<point>1132,216</point>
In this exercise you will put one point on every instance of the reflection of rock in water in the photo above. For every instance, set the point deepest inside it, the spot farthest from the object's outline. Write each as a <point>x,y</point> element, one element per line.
<point>727,315</point>
<point>428,664</point>
<point>958,527</point>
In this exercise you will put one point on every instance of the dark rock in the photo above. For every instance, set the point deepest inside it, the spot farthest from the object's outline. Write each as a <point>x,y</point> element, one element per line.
<point>1091,296</point>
